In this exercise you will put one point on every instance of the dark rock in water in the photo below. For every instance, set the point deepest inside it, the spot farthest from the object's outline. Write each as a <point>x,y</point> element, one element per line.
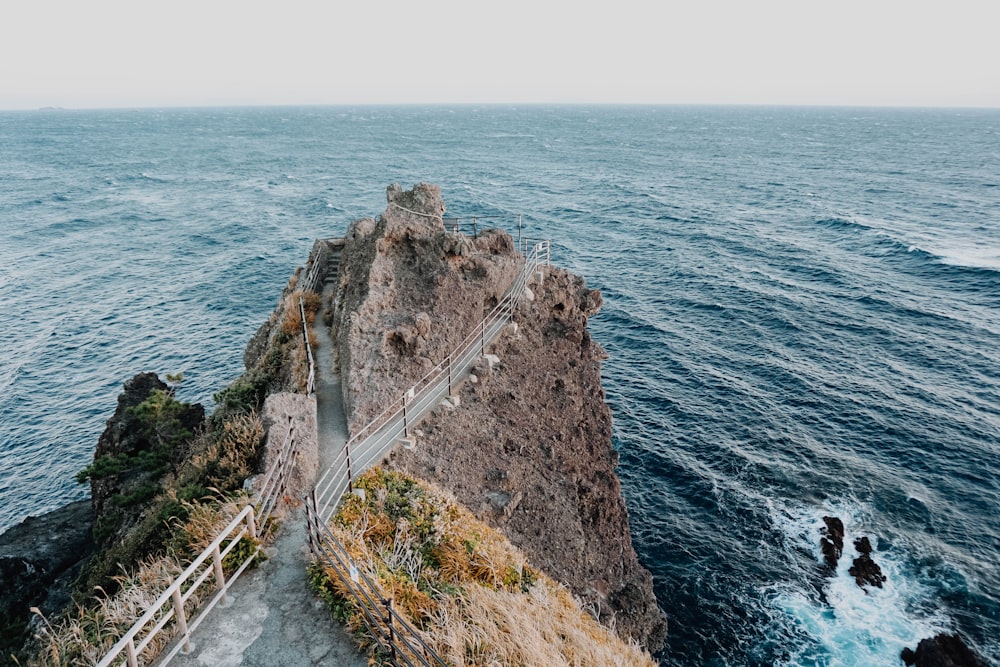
<point>864,569</point>
<point>40,559</point>
<point>832,542</point>
<point>943,650</point>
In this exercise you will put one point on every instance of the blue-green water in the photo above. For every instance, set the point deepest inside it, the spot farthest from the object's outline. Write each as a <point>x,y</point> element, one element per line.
<point>802,308</point>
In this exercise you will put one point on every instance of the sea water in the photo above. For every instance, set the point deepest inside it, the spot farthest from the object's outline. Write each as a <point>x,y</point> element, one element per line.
<point>802,311</point>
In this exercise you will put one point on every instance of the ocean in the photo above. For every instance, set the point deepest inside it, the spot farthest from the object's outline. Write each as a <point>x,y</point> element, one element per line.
<point>802,312</point>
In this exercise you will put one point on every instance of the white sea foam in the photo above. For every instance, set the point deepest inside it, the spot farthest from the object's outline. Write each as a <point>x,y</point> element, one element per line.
<point>844,624</point>
<point>977,257</point>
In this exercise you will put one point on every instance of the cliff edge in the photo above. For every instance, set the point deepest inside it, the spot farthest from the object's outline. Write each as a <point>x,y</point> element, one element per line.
<point>528,448</point>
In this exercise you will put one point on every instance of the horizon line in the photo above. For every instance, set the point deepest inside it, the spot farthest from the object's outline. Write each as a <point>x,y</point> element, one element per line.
<point>153,107</point>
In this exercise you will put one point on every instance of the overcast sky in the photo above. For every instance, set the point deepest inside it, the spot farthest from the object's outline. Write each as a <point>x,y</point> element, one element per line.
<point>129,53</point>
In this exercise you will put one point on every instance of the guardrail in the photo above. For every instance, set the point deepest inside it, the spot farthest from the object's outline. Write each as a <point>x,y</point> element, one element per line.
<point>401,642</point>
<point>470,225</point>
<point>311,381</point>
<point>393,633</point>
<point>369,444</point>
<point>170,605</point>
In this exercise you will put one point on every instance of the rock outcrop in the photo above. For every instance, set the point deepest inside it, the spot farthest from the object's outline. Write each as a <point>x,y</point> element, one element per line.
<point>135,450</point>
<point>943,650</point>
<point>40,559</point>
<point>864,570</point>
<point>408,293</point>
<point>832,541</point>
<point>528,448</point>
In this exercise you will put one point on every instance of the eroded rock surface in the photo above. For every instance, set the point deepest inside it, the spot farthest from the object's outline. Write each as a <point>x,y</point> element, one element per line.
<point>40,559</point>
<point>832,541</point>
<point>865,570</point>
<point>408,293</point>
<point>528,448</point>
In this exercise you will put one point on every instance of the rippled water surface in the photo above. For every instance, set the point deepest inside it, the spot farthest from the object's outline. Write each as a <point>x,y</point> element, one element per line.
<point>802,308</point>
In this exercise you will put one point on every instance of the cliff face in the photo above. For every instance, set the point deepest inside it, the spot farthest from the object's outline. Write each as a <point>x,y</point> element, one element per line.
<point>529,447</point>
<point>408,293</point>
<point>40,559</point>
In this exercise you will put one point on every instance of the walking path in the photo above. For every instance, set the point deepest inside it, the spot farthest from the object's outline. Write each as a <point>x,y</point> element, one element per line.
<point>274,618</point>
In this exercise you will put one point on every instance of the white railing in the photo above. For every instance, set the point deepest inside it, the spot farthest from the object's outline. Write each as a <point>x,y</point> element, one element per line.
<point>170,605</point>
<point>319,256</point>
<point>311,381</point>
<point>373,441</point>
<point>369,445</point>
<point>399,640</point>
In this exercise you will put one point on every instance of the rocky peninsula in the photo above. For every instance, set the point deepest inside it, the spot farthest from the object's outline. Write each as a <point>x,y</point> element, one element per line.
<point>525,443</point>
<point>528,446</point>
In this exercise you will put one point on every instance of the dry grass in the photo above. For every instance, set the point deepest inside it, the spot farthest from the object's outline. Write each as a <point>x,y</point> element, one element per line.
<point>84,637</point>
<point>470,592</point>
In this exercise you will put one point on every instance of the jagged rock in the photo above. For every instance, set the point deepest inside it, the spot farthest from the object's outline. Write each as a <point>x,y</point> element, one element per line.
<point>864,570</point>
<point>832,542</point>
<point>539,416</point>
<point>943,650</point>
<point>40,559</point>
<point>560,500</point>
<point>408,295</point>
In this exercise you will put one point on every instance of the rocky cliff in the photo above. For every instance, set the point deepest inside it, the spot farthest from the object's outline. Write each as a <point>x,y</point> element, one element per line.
<point>528,449</point>
<point>40,559</point>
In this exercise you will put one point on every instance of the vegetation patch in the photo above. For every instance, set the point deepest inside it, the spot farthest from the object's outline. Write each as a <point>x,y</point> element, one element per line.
<point>84,636</point>
<point>468,591</point>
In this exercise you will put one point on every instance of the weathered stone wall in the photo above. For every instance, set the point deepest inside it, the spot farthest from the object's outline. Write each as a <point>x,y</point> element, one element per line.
<point>280,410</point>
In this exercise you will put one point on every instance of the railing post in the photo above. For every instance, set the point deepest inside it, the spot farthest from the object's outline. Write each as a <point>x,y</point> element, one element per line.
<point>350,475</point>
<point>406,428</point>
<point>131,659</point>
<point>482,337</point>
<point>181,619</point>
<point>392,629</point>
<point>220,576</point>
<point>312,520</point>
<point>450,392</point>
<point>518,229</point>
<point>251,525</point>
<point>475,228</point>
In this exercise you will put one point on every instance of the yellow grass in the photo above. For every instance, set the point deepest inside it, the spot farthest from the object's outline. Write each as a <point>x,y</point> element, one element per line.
<point>472,594</point>
<point>84,637</point>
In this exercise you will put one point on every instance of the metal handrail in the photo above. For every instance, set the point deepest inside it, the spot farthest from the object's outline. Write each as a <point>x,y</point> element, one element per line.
<point>276,477</point>
<point>311,381</point>
<point>255,516</point>
<point>392,631</point>
<point>173,594</point>
<point>371,441</point>
<point>471,223</point>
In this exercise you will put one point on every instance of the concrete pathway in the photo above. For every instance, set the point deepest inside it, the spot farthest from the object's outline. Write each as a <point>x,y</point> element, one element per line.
<point>273,618</point>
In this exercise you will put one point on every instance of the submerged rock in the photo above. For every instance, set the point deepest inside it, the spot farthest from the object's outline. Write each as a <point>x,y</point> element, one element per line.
<point>864,570</point>
<point>943,650</point>
<point>832,541</point>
